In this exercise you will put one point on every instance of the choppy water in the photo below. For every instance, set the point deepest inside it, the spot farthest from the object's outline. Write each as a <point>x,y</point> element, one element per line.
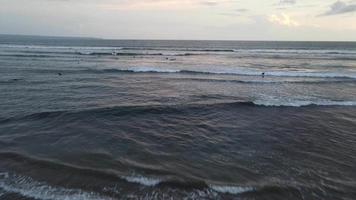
<point>106,119</point>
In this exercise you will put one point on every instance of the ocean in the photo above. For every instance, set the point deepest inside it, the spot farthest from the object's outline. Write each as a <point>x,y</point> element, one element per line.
<point>86,118</point>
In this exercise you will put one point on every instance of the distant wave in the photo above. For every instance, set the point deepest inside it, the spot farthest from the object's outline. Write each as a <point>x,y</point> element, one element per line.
<point>243,72</point>
<point>301,103</point>
<point>266,81</point>
<point>173,48</point>
<point>116,54</point>
<point>136,54</point>
<point>28,55</point>
<point>46,47</point>
<point>41,54</point>
<point>263,50</point>
<point>130,54</point>
<point>179,49</point>
<point>53,51</point>
<point>337,76</point>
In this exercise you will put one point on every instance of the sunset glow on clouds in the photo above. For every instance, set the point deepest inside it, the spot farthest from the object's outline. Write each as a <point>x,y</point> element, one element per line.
<point>183,19</point>
<point>283,19</point>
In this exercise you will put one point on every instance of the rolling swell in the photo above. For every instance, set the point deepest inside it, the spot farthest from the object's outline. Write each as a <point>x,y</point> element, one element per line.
<point>28,187</point>
<point>50,54</point>
<point>32,173</point>
<point>238,72</point>
<point>28,56</point>
<point>93,125</point>
<point>133,54</point>
<point>180,49</point>
<point>28,184</point>
<point>174,109</point>
<point>269,81</point>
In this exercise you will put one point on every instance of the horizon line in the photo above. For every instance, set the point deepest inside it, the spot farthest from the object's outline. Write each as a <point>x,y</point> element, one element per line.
<point>133,39</point>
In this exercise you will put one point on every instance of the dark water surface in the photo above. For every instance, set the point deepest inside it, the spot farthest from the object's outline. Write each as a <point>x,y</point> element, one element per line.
<point>109,119</point>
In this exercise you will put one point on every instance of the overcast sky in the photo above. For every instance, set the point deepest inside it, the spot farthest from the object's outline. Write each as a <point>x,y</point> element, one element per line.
<point>182,19</point>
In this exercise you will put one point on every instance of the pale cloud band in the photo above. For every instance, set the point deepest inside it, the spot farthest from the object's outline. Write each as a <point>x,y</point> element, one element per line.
<point>183,19</point>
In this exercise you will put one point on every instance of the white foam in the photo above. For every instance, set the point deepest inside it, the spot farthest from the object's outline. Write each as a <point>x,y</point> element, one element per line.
<point>142,180</point>
<point>86,52</point>
<point>173,54</point>
<point>230,189</point>
<point>295,51</point>
<point>299,103</point>
<point>28,187</point>
<point>251,72</point>
<point>152,69</point>
<point>312,74</point>
<point>59,47</point>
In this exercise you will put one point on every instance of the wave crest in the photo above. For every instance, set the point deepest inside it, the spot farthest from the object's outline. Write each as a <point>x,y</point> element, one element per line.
<point>241,72</point>
<point>27,187</point>
<point>139,109</point>
<point>146,181</point>
<point>231,189</point>
<point>302,103</point>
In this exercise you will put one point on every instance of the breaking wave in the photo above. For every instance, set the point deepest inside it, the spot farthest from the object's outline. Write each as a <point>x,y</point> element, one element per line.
<point>146,181</point>
<point>139,109</point>
<point>301,103</point>
<point>242,72</point>
<point>231,189</point>
<point>27,187</point>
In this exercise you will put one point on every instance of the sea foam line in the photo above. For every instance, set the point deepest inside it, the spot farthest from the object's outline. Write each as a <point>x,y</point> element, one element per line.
<point>146,181</point>
<point>231,189</point>
<point>244,72</point>
<point>28,187</point>
<point>300,103</point>
<point>152,69</point>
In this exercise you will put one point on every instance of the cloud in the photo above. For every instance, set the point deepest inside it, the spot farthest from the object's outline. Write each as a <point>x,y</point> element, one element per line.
<point>284,4</point>
<point>290,2</point>
<point>209,3</point>
<point>283,20</point>
<point>241,10</point>
<point>149,5</point>
<point>340,7</point>
<point>235,12</point>
<point>159,4</point>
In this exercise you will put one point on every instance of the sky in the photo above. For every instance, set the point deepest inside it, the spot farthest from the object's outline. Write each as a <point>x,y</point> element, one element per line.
<point>321,20</point>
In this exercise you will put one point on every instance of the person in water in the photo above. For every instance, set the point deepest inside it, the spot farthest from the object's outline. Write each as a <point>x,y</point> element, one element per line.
<point>263,74</point>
